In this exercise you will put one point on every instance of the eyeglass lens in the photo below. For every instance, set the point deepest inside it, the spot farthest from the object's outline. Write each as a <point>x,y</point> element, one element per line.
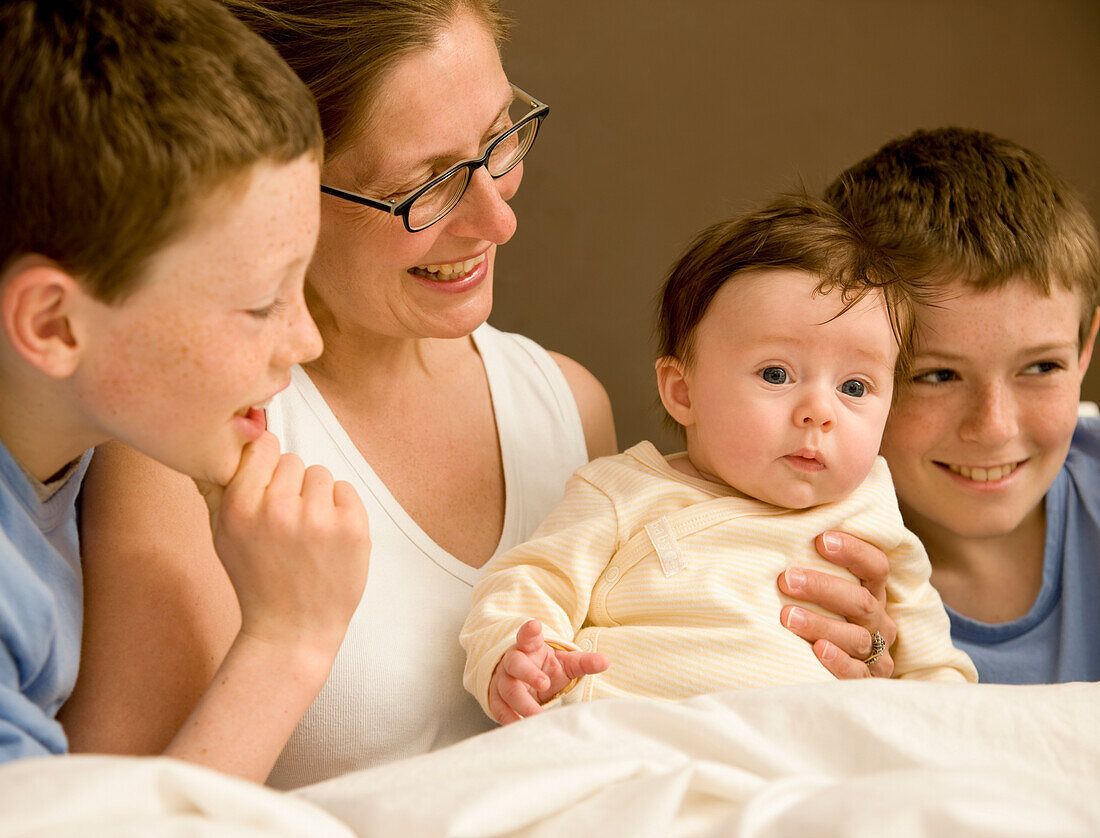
<point>506,153</point>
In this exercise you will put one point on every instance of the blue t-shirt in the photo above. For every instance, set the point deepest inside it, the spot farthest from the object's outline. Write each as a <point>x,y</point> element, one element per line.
<point>1058,640</point>
<point>41,609</point>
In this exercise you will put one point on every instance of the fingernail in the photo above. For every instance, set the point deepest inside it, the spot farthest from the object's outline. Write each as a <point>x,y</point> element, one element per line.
<point>796,618</point>
<point>795,578</point>
<point>829,652</point>
<point>831,541</point>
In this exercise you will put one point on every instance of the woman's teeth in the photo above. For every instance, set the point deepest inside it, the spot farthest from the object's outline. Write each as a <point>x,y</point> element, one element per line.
<point>984,475</point>
<point>448,270</point>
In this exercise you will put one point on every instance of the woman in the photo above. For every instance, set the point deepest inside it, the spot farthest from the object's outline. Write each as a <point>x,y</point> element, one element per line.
<point>458,438</point>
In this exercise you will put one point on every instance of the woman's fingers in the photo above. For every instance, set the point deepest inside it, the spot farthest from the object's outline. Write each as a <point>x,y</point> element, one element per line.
<point>841,596</point>
<point>864,561</point>
<point>840,646</point>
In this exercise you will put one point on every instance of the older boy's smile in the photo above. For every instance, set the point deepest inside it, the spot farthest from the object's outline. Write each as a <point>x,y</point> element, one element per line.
<point>983,474</point>
<point>977,436</point>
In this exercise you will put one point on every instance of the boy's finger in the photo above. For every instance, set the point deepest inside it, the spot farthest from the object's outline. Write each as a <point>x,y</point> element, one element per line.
<point>258,461</point>
<point>288,476</point>
<point>212,497</point>
<point>317,485</point>
<point>344,494</point>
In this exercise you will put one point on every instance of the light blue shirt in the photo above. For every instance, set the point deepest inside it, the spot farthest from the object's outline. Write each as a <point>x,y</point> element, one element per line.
<point>41,609</point>
<point>1059,638</point>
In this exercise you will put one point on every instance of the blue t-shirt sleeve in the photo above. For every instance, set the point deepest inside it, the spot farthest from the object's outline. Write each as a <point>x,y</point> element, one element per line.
<point>25,730</point>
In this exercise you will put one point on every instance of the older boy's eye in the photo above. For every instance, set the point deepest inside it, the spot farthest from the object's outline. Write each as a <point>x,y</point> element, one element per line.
<point>854,388</point>
<point>1042,367</point>
<point>268,311</point>
<point>935,377</point>
<point>774,375</point>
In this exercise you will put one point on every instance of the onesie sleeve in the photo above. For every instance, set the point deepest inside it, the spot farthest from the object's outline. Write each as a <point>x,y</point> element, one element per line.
<point>549,578</point>
<point>923,650</point>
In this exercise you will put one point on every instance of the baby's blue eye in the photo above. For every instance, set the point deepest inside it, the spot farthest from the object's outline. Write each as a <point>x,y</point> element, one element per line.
<point>774,375</point>
<point>854,388</point>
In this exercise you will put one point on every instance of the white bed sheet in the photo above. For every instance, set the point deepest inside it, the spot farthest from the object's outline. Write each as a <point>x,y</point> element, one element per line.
<point>845,759</point>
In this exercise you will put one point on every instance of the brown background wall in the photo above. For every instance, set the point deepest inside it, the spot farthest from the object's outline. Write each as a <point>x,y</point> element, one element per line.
<point>669,114</point>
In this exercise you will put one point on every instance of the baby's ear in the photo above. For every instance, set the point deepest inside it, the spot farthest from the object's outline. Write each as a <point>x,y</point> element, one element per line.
<point>674,389</point>
<point>37,300</point>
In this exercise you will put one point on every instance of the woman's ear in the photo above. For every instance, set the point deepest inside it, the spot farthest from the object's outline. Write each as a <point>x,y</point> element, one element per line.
<point>674,389</point>
<point>1090,342</point>
<point>37,300</point>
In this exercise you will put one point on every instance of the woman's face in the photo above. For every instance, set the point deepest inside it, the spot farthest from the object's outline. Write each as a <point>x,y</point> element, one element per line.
<point>369,274</point>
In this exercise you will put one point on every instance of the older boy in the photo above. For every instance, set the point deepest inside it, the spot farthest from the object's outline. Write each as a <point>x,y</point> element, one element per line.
<point>159,166</point>
<point>994,471</point>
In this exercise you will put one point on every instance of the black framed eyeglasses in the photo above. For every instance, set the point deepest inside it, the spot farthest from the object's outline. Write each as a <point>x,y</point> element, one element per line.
<point>426,204</point>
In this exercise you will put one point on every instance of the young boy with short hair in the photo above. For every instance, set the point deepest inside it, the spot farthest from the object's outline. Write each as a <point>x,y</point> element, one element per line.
<point>781,331</point>
<point>994,470</point>
<point>160,170</point>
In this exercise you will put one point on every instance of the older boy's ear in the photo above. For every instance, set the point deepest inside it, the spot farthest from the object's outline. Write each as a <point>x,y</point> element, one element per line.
<point>1090,342</point>
<point>36,303</point>
<point>672,385</point>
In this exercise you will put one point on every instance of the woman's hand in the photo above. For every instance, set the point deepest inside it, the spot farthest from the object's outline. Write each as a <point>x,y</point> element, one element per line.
<point>842,645</point>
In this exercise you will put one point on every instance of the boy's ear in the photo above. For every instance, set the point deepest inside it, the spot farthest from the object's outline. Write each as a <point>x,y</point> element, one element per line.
<point>672,385</point>
<point>1090,342</point>
<point>37,299</point>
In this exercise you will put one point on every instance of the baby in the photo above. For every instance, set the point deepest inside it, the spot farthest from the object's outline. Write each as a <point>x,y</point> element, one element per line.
<point>781,334</point>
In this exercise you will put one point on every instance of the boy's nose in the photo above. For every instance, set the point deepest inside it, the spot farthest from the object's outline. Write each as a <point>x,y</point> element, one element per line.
<point>303,342</point>
<point>991,416</point>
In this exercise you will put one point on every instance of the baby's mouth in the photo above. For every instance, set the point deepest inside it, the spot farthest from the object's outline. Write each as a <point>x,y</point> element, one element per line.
<point>447,271</point>
<point>983,475</point>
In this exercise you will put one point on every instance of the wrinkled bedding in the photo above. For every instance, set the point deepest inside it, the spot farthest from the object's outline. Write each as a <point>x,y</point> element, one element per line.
<point>843,759</point>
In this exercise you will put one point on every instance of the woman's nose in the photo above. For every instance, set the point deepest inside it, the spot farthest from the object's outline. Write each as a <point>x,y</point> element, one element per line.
<point>484,213</point>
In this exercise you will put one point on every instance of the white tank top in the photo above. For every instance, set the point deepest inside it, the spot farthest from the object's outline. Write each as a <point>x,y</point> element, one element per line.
<point>396,687</point>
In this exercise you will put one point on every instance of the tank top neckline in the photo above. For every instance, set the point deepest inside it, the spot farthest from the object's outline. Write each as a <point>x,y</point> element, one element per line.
<point>506,437</point>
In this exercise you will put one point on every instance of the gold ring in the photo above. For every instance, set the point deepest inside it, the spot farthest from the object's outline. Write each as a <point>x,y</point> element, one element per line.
<point>878,646</point>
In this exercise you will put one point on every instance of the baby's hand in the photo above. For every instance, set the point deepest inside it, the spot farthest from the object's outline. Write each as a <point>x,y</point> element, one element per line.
<point>295,545</point>
<point>532,672</point>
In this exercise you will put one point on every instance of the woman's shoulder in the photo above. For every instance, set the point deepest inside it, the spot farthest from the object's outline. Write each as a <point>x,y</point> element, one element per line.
<point>570,381</point>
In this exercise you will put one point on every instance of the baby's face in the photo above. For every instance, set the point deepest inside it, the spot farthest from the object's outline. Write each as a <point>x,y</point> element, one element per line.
<point>789,404</point>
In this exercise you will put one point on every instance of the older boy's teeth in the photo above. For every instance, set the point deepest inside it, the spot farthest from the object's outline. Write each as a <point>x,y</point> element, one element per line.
<point>984,475</point>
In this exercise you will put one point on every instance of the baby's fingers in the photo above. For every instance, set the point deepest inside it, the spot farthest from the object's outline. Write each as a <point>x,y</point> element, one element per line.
<point>510,699</point>
<point>516,664</point>
<point>576,664</point>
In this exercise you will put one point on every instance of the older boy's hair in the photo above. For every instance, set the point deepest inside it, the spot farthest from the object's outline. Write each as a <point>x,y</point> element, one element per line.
<point>796,232</point>
<point>120,116</point>
<point>978,208</point>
